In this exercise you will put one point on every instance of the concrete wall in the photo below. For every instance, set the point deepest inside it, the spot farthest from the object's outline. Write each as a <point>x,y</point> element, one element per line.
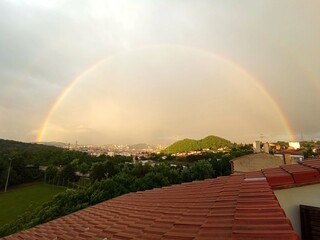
<point>256,146</point>
<point>291,198</point>
<point>256,162</point>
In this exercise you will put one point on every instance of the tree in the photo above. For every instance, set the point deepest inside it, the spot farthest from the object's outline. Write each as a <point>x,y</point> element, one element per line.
<point>221,167</point>
<point>140,170</point>
<point>98,172</point>
<point>51,173</point>
<point>154,180</point>
<point>18,173</point>
<point>84,168</point>
<point>308,153</point>
<point>68,173</point>
<point>171,173</point>
<point>186,175</point>
<point>110,167</point>
<point>201,170</point>
<point>75,163</point>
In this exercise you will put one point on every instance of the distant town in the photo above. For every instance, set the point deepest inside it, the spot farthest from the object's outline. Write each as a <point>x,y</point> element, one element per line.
<point>297,150</point>
<point>137,150</point>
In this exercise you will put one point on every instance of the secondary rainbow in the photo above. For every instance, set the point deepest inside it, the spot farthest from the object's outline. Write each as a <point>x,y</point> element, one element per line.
<point>94,66</point>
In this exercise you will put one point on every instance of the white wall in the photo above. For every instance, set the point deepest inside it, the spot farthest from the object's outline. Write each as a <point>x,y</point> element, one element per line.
<point>290,200</point>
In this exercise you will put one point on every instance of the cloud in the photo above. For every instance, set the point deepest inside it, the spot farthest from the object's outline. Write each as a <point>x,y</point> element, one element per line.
<point>163,91</point>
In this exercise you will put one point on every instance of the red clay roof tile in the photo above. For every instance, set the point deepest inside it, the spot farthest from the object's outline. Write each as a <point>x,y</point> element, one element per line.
<point>239,207</point>
<point>301,173</point>
<point>278,177</point>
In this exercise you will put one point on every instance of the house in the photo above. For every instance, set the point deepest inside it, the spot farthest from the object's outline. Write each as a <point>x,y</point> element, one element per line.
<point>290,155</point>
<point>294,145</point>
<point>256,162</point>
<point>316,150</point>
<point>261,204</point>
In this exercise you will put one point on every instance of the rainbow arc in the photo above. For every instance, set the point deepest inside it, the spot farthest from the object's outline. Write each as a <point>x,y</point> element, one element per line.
<point>213,55</point>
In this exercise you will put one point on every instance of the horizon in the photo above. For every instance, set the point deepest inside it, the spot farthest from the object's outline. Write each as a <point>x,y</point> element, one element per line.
<point>157,72</point>
<point>167,145</point>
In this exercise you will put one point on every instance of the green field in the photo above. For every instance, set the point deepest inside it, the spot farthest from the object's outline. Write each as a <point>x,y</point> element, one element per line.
<point>24,198</point>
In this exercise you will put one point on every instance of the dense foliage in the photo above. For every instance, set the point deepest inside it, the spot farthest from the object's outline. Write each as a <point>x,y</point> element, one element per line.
<point>130,178</point>
<point>26,158</point>
<point>32,153</point>
<point>19,172</point>
<point>114,176</point>
<point>187,145</point>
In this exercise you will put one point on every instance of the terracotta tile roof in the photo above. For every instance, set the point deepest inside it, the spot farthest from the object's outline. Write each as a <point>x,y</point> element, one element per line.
<point>238,207</point>
<point>301,173</point>
<point>278,177</point>
<point>290,151</point>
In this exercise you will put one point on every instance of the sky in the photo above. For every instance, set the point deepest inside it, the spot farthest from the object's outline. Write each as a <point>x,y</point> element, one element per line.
<point>126,72</point>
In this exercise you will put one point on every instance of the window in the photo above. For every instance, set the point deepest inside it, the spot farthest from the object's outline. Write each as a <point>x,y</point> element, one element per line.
<point>310,222</point>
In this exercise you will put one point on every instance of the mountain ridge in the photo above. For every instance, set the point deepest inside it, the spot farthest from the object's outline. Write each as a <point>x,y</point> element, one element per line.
<point>186,145</point>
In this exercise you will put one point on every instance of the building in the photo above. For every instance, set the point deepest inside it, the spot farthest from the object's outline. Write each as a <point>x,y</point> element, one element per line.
<point>316,150</point>
<point>266,147</point>
<point>239,207</point>
<point>256,162</point>
<point>256,146</point>
<point>294,145</point>
<point>290,155</point>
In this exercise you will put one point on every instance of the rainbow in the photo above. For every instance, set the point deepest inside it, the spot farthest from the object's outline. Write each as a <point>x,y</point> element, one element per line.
<point>225,60</point>
<point>64,93</point>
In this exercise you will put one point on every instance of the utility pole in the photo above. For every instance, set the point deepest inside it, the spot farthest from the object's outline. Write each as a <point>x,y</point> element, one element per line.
<point>5,189</point>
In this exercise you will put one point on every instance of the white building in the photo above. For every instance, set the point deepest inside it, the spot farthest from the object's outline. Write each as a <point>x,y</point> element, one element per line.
<point>256,146</point>
<point>294,145</point>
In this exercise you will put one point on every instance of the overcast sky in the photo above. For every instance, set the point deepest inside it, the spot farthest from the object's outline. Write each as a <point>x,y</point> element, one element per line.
<point>173,69</point>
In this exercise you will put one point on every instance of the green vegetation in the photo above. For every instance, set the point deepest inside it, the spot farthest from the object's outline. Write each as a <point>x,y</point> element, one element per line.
<point>130,178</point>
<point>31,153</point>
<point>25,198</point>
<point>26,159</point>
<point>113,176</point>
<point>187,145</point>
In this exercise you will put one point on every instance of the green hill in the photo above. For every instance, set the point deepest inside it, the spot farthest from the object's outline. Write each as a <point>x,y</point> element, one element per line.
<point>31,153</point>
<point>37,154</point>
<point>186,145</point>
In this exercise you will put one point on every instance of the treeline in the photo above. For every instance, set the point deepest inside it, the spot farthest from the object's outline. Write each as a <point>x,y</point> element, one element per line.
<point>129,178</point>
<point>25,159</point>
<point>32,153</point>
<point>235,151</point>
<point>99,168</point>
<point>19,171</point>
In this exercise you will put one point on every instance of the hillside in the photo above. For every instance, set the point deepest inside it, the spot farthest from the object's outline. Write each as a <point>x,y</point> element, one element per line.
<point>55,144</point>
<point>186,145</point>
<point>31,153</point>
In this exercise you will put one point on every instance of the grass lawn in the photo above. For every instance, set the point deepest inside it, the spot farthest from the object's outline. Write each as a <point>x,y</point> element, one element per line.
<point>25,197</point>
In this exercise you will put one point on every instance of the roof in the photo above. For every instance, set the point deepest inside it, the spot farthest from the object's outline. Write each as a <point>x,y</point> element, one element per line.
<point>254,156</point>
<point>241,206</point>
<point>290,151</point>
<point>254,162</point>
